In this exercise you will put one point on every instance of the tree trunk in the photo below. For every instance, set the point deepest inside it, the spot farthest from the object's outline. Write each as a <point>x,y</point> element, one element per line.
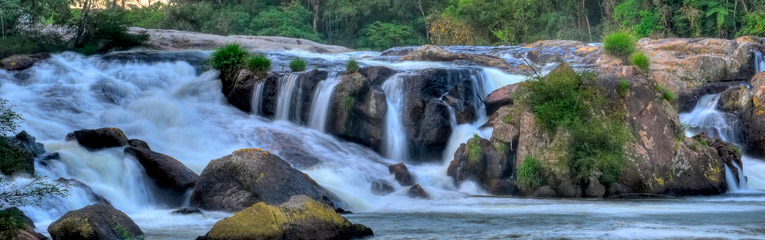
<point>123,4</point>
<point>315,4</point>
<point>80,36</point>
<point>587,20</point>
<point>422,11</point>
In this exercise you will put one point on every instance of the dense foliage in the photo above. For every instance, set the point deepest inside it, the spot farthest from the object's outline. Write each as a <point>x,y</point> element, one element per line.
<point>530,174</point>
<point>228,58</point>
<point>259,64</point>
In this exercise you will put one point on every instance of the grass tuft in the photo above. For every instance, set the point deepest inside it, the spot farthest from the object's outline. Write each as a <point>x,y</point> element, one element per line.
<point>530,174</point>
<point>259,64</point>
<point>620,45</point>
<point>474,150</point>
<point>297,65</point>
<point>228,58</point>
<point>352,66</point>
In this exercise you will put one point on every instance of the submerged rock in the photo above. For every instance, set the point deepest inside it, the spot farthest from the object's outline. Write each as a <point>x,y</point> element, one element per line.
<point>438,54</point>
<point>169,174</point>
<point>186,211</point>
<point>299,218</point>
<point>98,221</point>
<point>417,191</point>
<point>402,174</point>
<point>17,154</point>
<point>24,231</point>
<point>381,187</point>
<point>137,143</point>
<point>97,139</point>
<point>249,176</point>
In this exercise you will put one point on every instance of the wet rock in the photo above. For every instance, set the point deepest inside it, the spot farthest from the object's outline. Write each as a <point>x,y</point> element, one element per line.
<point>568,190</point>
<point>401,174</point>
<point>687,98</point>
<point>733,100</point>
<point>97,139</point>
<point>594,188</point>
<point>17,154</point>
<point>438,54</point>
<point>299,218</point>
<point>22,61</point>
<point>358,111</point>
<point>480,161</point>
<point>92,196</point>
<point>270,95</point>
<point>25,232</point>
<point>187,211</point>
<point>381,187</point>
<point>544,192</point>
<point>500,97</point>
<point>753,117</point>
<point>248,176</point>
<point>239,90</point>
<point>137,143</point>
<point>174,178</point>
<point>417,191</point>
<point>616,190</point>
<point>377,75</point>
<point>342,211</point>
<point>98,221</point>
<point>289,147</point>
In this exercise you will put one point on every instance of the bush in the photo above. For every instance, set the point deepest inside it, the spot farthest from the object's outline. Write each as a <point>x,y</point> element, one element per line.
<point>597,146</point>
<point>624,87</point>
<point>641,61</point>
<point>529,174</point>
<point>559,98</point>
<point>620,45</point>
<point>754,24</point>
<point>106,30</point>
<point>666,94</point>
<point>292,20</point>
<point>24,44</point>
<point>259,64</point>
<point>297,65</point>
<point>228,58</point>
<point>150,17</point>
<point>474,150</point>
<point>352,66</point>
<point>380,35</point>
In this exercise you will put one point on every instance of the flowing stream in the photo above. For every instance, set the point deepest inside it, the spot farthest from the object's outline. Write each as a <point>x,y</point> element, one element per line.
<point>180,111</point>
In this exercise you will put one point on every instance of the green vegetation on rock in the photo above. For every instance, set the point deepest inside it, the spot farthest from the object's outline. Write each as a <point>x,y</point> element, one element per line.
<point>624,87</point>
<point>666,94</point>
<point>228,58</point>
<point>474,150</point>
<point>297,65</point>
<point>620,45</point>
<point>641,61</point>
<point>259,64</point>
<point>529,174</point>
<point>352,66</point>
<point>11,222</point>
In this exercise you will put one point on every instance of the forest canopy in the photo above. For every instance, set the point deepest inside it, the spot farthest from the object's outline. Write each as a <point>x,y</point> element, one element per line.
<point>379,24</point>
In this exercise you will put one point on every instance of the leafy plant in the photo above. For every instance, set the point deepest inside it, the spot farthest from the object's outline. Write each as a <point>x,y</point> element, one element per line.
<point>641,61</point>
<point>620,45</point>
<point>259,64</point>
<point>352,66</point>
<point>383,35</point>
<point>529,174</point>
<point>297,65</point>
<point>30,192</point>
<point>228,58</point>
<point>624,87</point>
<point>474,150</point>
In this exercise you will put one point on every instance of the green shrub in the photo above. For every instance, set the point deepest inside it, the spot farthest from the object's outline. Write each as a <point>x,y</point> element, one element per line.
<point>666,94</point>
<point>384,35</point>
<point>597,146</point>
<point>151,17</point>
<point>228,58</point>
<point>106,30</point>
<point>529,174</point>
<point>641,61</point>
<point>624,87</point>
<point>297,65</point>
<point>474,150</point>
<point>259,64</point>
<point>560,98</point>
<point>736,149</point>
<point>620,45</point>
<point>352,66</point>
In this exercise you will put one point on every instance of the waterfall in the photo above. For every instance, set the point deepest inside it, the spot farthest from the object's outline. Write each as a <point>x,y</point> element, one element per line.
<point>257,97</point>
<point>322,100</point>
<point>395,146</point>
<point>706,118</point>
<point>287,96</point>
<point>759,62</point>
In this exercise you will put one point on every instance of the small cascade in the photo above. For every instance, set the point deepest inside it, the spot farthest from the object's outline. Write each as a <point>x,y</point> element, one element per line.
<point>257,97</point>
<point>759,62</point>
<point>289,93</point>
<point>706,118</point>
<point>322,100</point>
<point>395,146</point>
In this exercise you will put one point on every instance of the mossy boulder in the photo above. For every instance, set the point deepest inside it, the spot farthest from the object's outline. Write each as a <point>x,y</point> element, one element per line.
<point>299,218</point>
<point>97,139</point>
<point>17,154</point>
<point>95,222</point>
<point>15,225</point>
<point>248,176</point>
<point>358,109</point>
<point>486,163</point>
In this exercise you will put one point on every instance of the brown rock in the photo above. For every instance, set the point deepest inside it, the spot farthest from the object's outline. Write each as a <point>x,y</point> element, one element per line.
<point>417,191</point>
<point>22,61</point>
<point>169,173</point>
<point>500,97</point>
<point>402,174</point>
<point>98,221</point>
<point>97,139</point>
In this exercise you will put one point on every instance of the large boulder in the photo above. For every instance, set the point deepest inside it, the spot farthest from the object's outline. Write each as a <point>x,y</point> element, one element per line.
<point>170,174</point>
<point>485,163</point>
<point>17,154</point>
<point>98,221</point>
<point>359,109</point>
<point>22,61</point>
<point>500,97</point>
<point>249,176</point>
<point>97,139</point>
<point>300,218</point>
<point>753,117</point>
<point>15,225</point>
<point>239,91</point>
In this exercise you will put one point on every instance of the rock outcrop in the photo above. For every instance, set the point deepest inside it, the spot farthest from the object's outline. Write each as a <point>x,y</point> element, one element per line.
<point>22,61</point>
<point>359,106</point>
<point>174,178</point>
<point>249,176</point>
<point>438,54</point>
<point>98,221</point>
<point>239,87</point>
<point>481,161</point>
<point>747,104</point>
<point>17,226</point>
<point>17,154</point>
<point>299,218</point>
<point>97,139</point>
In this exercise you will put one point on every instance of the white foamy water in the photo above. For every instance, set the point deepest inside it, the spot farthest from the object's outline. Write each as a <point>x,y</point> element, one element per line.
<point>322,100</point>
<point>395,144</point>
<point>182,113</point>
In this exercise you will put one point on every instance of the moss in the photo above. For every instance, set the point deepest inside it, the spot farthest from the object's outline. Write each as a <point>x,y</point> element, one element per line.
<point>348,103</point>
<point>508,118</point>
<point>529,174</point>
<point>75,226</point>
<point>736,149</point>
<point>13,159</point>
<point>124,234</point>
<point>500,147</point>
<point>666,94</point>
<point>474,151</point>
<point>11,222</point>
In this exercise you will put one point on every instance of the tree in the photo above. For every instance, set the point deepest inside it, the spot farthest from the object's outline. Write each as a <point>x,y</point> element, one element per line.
<point>22,192</point>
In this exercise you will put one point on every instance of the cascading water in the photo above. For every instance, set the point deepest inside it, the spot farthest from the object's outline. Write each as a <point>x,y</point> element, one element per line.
<point>322,99</point>
<point>288,91</point>
<point>257,97</point>
<point>759,62</point>
<point>396,146</point>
